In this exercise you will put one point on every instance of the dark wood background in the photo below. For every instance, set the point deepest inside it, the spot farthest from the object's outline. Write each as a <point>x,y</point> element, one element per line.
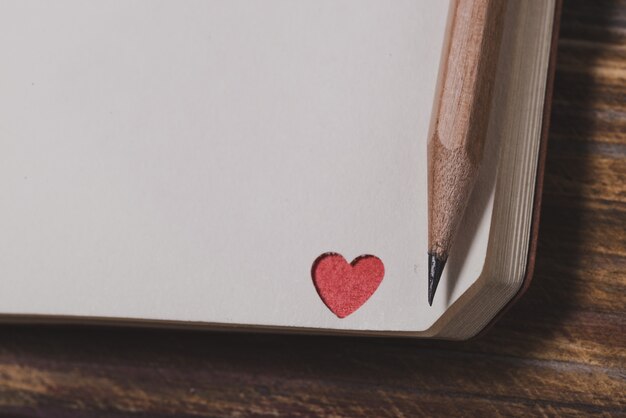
<point>560,351</point>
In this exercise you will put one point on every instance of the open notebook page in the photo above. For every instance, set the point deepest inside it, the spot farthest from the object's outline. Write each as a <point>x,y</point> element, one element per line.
<point>190,160</point>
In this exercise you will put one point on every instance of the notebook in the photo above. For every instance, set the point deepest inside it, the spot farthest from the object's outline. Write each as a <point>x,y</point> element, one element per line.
<point>219,163</point>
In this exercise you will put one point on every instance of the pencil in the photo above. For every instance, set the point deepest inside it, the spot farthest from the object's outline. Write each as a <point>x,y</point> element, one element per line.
<point>459,125</point>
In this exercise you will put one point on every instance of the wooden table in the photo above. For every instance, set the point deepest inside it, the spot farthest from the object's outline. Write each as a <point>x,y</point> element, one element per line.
<point>560,351</point>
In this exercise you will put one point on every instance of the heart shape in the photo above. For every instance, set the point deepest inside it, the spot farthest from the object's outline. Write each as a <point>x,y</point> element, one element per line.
<point>344,287</point>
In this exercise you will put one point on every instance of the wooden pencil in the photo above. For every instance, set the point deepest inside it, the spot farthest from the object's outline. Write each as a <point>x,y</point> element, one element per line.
<point>460,119</point>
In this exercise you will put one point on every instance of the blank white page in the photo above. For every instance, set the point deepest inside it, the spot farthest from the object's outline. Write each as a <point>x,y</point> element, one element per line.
<point>190,160</point>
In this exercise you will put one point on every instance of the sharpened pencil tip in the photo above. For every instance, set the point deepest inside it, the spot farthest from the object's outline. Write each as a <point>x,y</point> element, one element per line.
<point>435,268</point>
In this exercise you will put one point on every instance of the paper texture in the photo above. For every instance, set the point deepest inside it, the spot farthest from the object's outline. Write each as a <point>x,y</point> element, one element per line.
<point>190,160</point>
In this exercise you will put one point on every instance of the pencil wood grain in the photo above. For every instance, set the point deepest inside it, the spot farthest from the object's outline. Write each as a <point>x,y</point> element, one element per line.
<point>461,115</point>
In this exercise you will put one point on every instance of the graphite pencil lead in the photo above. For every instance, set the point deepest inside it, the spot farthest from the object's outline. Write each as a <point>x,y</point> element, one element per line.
<point>435,269</point>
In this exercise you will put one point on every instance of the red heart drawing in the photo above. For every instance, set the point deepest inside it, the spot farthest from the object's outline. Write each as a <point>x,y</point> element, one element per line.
<point>344,287</point>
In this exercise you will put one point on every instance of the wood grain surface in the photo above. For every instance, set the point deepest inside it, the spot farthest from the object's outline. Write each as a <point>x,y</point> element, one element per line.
<point>561,351</point>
